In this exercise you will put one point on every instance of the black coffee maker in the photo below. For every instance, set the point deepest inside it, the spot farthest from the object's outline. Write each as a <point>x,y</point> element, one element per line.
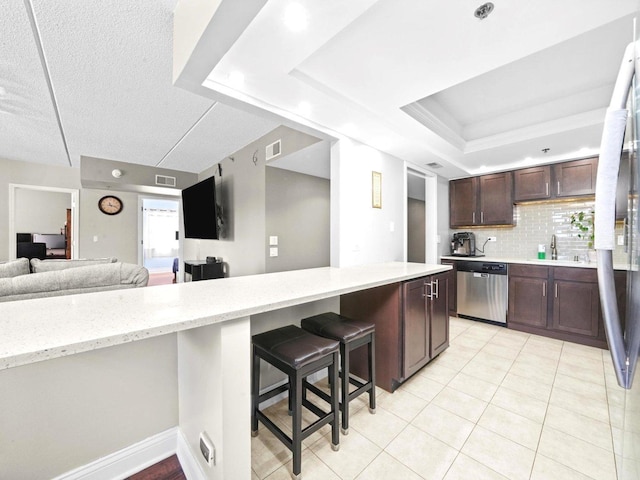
<point>463,244</point>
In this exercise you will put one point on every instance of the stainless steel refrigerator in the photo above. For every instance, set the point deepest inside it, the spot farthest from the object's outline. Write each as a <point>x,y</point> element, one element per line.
<point>623,334</point>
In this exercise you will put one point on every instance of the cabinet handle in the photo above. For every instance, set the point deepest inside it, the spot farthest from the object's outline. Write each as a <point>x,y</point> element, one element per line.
<point>556,290</point>
<point>544,289</point>
<point>436,293</point>
<point>547,188</point>
<point>474,217</point>
<point>558,187</point>
<point>430,294</point>
<point>481,217</point>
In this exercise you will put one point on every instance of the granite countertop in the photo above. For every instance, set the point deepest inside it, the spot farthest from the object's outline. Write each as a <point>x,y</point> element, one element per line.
<point>532,261</point>
<point>41,329</point>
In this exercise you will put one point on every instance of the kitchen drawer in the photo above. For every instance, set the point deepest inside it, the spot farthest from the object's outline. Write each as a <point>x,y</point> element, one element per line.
<point>576,274</point>
<point>535,271</point>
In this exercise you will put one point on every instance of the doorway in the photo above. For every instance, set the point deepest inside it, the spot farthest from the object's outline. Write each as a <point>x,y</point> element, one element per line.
<point>159,244</point>
<point>36,209</point>
<point>416,217</point>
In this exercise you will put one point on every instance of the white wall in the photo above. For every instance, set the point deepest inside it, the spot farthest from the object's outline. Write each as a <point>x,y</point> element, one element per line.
<point>359,233</point>
<point>64,413</point>
<point>297,212</point>
<point>38,211</point>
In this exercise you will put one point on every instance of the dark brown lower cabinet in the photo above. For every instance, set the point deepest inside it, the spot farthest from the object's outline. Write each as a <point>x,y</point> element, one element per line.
<point>412,326</point>
<point>453,301</point>
<point>559,302</point>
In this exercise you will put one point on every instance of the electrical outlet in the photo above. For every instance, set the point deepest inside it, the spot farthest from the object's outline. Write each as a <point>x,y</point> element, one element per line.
<point>492,239</point>
<point>208,449</point>
<point>620,239</point>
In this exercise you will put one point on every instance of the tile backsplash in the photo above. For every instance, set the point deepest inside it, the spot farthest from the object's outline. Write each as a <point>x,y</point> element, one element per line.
<point>535,223</point>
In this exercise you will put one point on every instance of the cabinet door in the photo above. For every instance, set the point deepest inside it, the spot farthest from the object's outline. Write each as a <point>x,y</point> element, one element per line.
<point>496,199</point>
<point>576,178</point>
<point>528,301</point>
<point>532,183</point>
<point>576,307</point>
<point>463,202</point>
<point>438,306</point>
<point>416,328</point>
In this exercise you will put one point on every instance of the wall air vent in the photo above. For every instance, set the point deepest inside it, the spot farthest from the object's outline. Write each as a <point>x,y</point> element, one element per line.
<point>434,165</point>
<point>273,150</point>
<point>165,181</point>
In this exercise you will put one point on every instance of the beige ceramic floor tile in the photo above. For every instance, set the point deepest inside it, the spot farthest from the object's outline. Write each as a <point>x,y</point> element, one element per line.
<point>403,404</point>
<point>589,407</point>
<point>583,350</point>
<point>537,361</point>
<point>522,369</point>
<point>592,390</point>
<point>470,341</point>
<point>516,342</point>
<point>577,454</point>
<point>588,374</point>
<point>466,468</point>
<point>356,452</point>
<point>509,353</point>
<point>312,469</point>
<point>380,428</point>
<point>254,476</point>
<point>438,372</point>
<point>422,453</point>
<point>527,386</point>
<point>461,404</point>
<point>521,404</point>
<point>546,469</point>
<point>478,369</point>
<point>499,454</point>
<point>542,349</point>
<point>510,425</point>
<point>267,453</point>
<point>385,467</point>
<point>577,425</point>
<point>422,387</point>
<point>444,425</point>
<point>473,386</point>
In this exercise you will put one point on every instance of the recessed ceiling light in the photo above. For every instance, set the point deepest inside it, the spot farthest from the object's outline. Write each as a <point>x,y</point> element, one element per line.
<point>296,17</point>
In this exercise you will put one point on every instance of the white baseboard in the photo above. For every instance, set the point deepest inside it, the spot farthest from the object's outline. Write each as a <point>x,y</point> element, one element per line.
<point>137,457</point>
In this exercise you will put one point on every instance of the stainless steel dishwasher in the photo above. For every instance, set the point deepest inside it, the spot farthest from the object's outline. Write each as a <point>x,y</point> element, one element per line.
<point>482,291</point>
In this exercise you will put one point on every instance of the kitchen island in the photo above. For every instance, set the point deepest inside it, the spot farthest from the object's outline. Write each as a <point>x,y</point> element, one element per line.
<point>198,331</point>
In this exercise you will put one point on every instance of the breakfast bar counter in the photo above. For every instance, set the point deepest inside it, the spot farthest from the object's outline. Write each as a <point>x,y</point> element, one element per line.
<point>96,365</point>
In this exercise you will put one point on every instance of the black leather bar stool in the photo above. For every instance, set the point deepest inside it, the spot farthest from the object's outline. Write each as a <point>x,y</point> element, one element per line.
<point>351,334</point>
<point>298,354</point>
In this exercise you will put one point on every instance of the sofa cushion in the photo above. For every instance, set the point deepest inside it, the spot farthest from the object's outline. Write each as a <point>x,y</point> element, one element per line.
<point>91,278</point>
<point>14,268</point>
<point>39,266</point>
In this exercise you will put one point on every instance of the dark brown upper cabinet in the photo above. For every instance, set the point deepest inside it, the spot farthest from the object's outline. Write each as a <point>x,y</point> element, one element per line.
<point>481,201</point>
<point>532,183</point>
<point>575,178</point>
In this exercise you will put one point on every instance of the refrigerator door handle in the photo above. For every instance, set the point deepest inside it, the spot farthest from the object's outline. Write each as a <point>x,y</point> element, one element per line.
<point>604,231</point>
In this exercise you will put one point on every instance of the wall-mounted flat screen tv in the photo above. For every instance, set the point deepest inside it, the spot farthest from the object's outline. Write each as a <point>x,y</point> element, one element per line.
<point>199,210</point>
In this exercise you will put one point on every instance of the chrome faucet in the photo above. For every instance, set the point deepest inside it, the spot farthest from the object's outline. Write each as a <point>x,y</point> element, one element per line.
<point>554,250</point>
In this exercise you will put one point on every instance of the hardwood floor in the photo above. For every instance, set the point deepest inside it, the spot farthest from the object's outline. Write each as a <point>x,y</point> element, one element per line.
<point>168,469</point>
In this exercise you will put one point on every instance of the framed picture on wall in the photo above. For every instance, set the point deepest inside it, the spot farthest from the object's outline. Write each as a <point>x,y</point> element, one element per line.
<point>376,188</point>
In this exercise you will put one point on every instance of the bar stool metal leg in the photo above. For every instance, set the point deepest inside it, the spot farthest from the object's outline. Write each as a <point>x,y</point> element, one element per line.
<point>255,393</point>
<point>333,377</point>
<point>344,390</point>
<point>372,374</point>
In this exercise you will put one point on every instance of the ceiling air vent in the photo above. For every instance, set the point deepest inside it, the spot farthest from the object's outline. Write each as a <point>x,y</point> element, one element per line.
<point>273,150</point>
<point>165,181</point>
<point>434,165</point>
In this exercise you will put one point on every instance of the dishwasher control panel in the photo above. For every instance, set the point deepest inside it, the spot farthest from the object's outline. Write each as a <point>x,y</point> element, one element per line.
<point>493,268</point>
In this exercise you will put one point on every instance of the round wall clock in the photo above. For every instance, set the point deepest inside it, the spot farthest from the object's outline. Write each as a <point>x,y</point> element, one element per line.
<point>110,205</point>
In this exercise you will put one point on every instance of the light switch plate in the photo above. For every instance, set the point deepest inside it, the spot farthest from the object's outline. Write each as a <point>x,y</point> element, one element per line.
<point>273,252</point>
<point>273,240</point>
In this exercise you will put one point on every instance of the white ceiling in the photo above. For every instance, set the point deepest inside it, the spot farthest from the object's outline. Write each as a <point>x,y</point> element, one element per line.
<point>488,94</point>
<point>110,66</point>
<point>88,77</point>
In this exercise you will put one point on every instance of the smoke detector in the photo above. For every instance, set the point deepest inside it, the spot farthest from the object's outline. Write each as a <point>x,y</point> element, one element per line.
<point>483,11</point>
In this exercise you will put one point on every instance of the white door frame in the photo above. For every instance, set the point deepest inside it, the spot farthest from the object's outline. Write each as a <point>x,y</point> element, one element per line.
<point>74,192</point>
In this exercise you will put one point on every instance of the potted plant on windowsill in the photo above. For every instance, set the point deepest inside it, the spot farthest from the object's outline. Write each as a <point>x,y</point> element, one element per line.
<point>583,221</point>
